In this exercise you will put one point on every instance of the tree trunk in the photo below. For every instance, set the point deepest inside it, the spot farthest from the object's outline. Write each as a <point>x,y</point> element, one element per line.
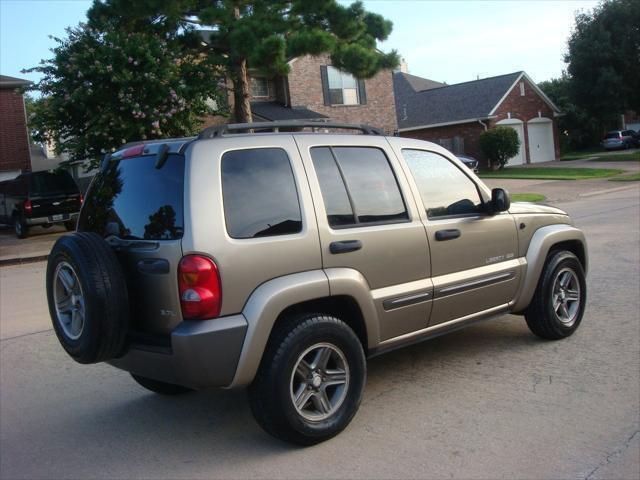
<point>241,94</point>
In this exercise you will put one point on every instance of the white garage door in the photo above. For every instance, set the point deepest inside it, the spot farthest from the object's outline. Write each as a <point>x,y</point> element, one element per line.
<point>517,125</point>
<point>541,148</point>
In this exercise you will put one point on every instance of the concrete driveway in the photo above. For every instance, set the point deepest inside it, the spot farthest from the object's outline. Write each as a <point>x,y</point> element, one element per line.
<point>491,401</point>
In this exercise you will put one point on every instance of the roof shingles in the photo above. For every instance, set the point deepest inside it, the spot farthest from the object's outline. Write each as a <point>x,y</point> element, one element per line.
<point>450,103</point>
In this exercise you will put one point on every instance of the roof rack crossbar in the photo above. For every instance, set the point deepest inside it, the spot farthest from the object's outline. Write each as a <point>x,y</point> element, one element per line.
<point>220,130</point>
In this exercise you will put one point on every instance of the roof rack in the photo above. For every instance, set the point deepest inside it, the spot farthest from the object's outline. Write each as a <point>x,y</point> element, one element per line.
<point>220,130</point>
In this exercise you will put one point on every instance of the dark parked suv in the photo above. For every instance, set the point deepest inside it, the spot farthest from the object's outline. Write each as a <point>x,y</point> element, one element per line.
<point>40,198</point>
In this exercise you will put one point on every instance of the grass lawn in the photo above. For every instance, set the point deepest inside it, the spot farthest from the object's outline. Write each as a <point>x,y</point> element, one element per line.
<point>632,177</point>
<point>623,157</point>
<point>527,197</point>
<point>551,173</point>
<point>581,154</point>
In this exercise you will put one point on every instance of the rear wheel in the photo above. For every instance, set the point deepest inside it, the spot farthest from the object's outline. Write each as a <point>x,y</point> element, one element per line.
<point>558,304</point>
<point>162,388</point>
<point>20,227</point>
<point>310,381</point>
<point>70,225</point>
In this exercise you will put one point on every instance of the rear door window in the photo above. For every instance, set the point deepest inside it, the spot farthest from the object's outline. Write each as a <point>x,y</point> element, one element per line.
<point>358,186</point>
<point>134,200</point>
<point>259,193</point>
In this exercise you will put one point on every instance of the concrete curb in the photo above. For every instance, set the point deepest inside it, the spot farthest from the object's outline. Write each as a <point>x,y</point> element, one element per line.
<point>20,260</point>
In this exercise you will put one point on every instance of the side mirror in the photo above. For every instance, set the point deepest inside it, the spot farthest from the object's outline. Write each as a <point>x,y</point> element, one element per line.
<point>500,200</point>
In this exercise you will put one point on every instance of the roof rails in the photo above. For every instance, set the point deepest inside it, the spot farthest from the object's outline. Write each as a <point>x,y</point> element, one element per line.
<point>220,130</point>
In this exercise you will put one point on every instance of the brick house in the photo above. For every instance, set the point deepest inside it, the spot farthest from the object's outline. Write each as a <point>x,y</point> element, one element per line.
<point>455,115</point>
<point>314,90</point>
<point>14,140</point>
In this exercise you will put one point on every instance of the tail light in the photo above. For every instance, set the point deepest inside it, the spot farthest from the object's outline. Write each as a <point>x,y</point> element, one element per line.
<point>28,207</point>
<point>199,287</point>
<point>81,199</point>
<point>133,151</point>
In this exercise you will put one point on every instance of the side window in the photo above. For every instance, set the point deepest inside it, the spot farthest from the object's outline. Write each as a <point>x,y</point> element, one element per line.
<point>358,186</point>
<point>444,189</point>
<point>259,193</point>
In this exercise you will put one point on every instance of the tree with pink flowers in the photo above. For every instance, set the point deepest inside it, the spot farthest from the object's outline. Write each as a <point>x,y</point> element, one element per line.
<point>104,88</point>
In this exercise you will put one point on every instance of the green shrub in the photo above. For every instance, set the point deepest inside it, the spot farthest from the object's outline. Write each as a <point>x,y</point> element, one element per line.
<point>499,145</point>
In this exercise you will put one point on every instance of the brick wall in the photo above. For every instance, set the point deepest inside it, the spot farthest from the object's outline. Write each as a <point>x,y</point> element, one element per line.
<point>305,89</point>
<point>521,107</point>
<point>14,145</point>
<point>526,108</point>
<point>470,132</point>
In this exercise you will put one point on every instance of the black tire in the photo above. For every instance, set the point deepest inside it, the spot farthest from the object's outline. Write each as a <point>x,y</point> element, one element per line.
<point>270,394</point>
<point>102,290</point>
<point>541,315</point>
<point>20,226</point>
<point>162,388</point>
<point>70,225</point>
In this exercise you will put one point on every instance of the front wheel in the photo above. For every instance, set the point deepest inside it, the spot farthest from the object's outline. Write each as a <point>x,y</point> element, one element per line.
<point>558,304</point>
<point>310,382</point>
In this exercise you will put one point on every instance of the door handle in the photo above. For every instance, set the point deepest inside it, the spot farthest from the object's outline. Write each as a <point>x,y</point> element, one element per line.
<point>345,246</point>
<point>449,234</point>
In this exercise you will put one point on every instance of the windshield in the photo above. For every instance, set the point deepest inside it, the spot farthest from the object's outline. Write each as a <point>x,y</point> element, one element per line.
<point>134,200</point>
<point>48,183</point>
<point>612,135</point>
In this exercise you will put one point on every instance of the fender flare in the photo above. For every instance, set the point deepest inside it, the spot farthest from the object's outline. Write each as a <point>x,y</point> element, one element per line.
<point>261,312</point>
<point>541,243</point>
<point>270,299</point>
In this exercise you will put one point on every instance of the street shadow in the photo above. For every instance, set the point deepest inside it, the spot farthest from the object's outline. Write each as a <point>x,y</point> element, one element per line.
<point>206,426</point>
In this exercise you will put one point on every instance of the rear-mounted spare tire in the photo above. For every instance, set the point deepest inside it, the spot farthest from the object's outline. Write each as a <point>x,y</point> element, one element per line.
<point>87,296</point>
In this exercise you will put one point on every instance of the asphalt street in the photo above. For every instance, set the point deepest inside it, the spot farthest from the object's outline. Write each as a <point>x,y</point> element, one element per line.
<point>491,401</point>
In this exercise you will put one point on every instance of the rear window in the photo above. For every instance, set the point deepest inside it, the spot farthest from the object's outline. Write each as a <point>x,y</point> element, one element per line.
<point>612,135</point>
<point>49,183</point>
<point>134,200</point>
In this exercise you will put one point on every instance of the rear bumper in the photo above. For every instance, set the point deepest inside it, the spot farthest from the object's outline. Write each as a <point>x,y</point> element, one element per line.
<point>49,220</point>
<point>203,354</point>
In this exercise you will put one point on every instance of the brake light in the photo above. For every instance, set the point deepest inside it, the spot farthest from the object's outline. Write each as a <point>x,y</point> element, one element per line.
<point>133,151</point>
<point>199,287</point>
<point>81,199</point>
<point>28,207</point>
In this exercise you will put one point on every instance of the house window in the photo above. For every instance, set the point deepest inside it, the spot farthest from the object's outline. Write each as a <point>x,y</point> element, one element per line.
<point>343,87</point>
<point>522,89</point>
<point>259,87</point>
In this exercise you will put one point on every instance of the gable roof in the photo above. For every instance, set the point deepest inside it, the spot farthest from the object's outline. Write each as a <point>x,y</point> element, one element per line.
<point>274,111</point>
<point>452,104</point>
<point>12,82</point>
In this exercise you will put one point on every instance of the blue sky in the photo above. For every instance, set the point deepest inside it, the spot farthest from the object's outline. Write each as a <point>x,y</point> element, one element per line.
<point>452,41</point>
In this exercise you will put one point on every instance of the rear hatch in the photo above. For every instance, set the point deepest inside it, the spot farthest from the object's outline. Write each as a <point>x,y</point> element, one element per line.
<point>612,139</point>
<point>54,195</point>
<point>138,209</point>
